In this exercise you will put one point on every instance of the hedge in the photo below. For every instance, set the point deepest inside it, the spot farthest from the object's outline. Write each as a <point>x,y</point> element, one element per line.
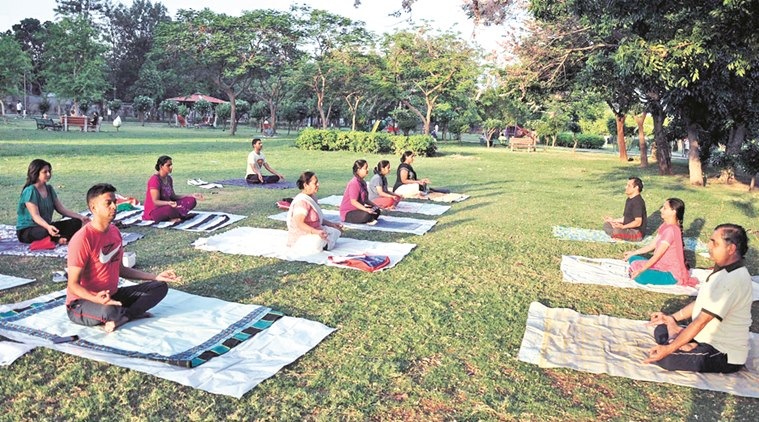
<point>366,142</point>
<point>565,139</point>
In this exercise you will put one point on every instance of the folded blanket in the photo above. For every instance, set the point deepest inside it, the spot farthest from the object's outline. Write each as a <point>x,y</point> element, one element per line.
<point>446,197</point>
<point>600,344</point>
<point>592,235</point>
<point>384,223</point>
<point>9,244</point>
<point>273,244</point>
<point>197,221</point>
<point>9,281</point>
<point>613,272</point>
<point>203,184</point>
<point>245,184</point>
<point>403,206</point>
<point>217,346</point>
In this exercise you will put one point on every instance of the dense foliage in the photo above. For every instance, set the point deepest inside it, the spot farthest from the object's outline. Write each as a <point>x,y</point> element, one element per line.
<point>367,142</point>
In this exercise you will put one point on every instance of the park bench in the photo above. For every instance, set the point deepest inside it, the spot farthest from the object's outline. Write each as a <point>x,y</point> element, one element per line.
<point>526,142</point>
<point>47,123</point>
<point>82,121</point>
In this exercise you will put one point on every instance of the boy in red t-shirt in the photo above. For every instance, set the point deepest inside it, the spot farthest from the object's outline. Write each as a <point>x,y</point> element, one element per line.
<point>94,267</point>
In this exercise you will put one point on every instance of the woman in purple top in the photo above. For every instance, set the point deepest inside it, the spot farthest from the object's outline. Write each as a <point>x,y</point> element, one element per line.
<point>161,203</point>
<point>356,206</point>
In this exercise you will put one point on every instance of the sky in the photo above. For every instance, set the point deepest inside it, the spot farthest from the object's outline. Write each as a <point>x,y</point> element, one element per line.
<point>440,14</point>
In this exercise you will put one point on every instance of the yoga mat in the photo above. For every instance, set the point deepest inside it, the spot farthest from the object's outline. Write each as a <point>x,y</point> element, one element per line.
<point>403,206</point>
<point>272,243</point>
<point>11,350</point>
<point>446,197</point>
<point>184,326</point>
<point>197,221</point>
<point>613,273</point>
<point>600,344</point>
<point>9,244</point>
<point>243,183</point>
<point>203,184</point>
<point>9,281</point>
<point>384,223</point>
<point>592,235</point>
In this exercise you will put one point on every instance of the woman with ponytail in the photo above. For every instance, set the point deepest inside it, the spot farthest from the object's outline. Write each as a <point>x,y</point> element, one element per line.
<point>356,207</point>
<point>379,194</point>
<point>161,202</point>
<point>667,264</point>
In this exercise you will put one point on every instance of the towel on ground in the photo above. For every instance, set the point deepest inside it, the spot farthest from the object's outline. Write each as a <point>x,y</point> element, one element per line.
<point>196,221</point>
<point>424,208</point>
<point>384,223</point>
<point>446,197</point>
<point>272,243</point>
<point>592,235</point>
<point>9,244</point>
<point>230,347</point>
<point>614,272</point>
<point>203,184</point>
<point>600,344</point>
<point>9,281</point>
<point>245,184</point>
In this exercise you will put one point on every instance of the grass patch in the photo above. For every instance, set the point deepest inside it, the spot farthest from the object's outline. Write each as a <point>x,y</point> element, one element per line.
<point>434,338</point>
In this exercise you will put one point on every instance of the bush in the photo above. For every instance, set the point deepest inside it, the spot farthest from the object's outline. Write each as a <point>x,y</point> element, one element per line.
<point>565,139</point>
<point>364,142</point>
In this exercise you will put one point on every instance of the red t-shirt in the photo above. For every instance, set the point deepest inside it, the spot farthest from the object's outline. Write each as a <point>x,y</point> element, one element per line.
<point>99,256</point>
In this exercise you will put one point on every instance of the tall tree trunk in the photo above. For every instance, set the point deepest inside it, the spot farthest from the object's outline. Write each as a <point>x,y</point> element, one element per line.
<point>738,135</point>
<point>233,112</point>
<point>639,120</point>
<point>694,156</point>
<point>663,149</point>
<point>620,118</point>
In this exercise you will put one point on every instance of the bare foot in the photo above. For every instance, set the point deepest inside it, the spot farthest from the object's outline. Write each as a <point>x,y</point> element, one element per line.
<point>111,326</point>
<point>175,220</point>
<point>688,347</point>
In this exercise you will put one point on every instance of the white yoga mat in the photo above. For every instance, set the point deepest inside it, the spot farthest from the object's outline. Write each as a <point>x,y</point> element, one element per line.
<point>203,184</point>
<point>384,223</point>
<point>198,221</point>
<point>446,197</point>
<point>272,243</point>
<point>11,350</point>
<point>182,323</point>
<point>9,244</point>
<point>9,281</point>
<point>424,208</point>
<point>600,236</point>
<point>600,344</point>
<point>613,272</point>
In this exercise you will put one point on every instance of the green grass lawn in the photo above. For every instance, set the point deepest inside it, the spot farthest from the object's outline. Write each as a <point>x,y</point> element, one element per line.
<point>434,338</point>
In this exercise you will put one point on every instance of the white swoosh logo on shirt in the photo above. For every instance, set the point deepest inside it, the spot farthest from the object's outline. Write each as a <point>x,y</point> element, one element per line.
<point>104,259</point>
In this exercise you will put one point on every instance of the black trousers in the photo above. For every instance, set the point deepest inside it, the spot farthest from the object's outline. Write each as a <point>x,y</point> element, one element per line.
<point>253,179</point>
<point>704,358</point>
<point>135,301</point>
<point>361,217</point>
<point>66,229</point>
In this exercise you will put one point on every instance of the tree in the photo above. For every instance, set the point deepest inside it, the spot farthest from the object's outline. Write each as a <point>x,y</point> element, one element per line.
<point>223,112</point>
<point>149,84</point>
<point>142,105</point>
<point>14,63</point>
<point>427,67</point>
<point>74,66</point>
<point>406,120</point>
<point>91,11</point>
<point>748,160</point>
<point>171,108</point>
<point>218,46</point>
<point>115,105</point>
<point>32,35</point>
<point>131,31</point>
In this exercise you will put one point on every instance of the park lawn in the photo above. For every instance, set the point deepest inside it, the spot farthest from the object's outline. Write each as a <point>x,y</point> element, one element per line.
<point>434,338</point>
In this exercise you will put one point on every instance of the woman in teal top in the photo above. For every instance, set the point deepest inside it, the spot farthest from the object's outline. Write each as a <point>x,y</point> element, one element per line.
<point>36,205</point>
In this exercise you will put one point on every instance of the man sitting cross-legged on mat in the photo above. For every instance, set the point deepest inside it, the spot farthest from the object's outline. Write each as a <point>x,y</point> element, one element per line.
<point>256,160</point>
<point>717,339</point>
<point>94,266</point>
<point>632,225</point>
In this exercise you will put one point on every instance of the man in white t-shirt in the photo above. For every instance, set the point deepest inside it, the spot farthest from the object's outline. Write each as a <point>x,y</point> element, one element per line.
<point>257,160</point>
<point>717,339</point>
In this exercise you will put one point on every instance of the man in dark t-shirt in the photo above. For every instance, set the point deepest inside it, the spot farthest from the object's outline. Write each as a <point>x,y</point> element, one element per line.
<point>632,225</point>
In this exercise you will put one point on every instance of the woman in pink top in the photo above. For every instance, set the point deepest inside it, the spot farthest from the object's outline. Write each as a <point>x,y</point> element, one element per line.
<point>356,207</point>
<point>667,264</point>
<point>307,230</point>
<point>161,203</point>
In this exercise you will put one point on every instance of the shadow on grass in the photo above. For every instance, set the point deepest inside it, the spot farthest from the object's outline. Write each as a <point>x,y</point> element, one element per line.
<point>747,207</point>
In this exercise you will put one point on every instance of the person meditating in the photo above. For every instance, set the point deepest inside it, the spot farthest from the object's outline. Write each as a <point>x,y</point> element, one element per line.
<point>667,264</point>
<point>307,230</point>
<point>379,194</point>
<point>93,296</point>
<point>717,338</point>
<point>406,183</point>
<point>356,206</point>
<point>38,200</point>
<point>632,225</point>
<point>256,160</point>
<point>161,203</point>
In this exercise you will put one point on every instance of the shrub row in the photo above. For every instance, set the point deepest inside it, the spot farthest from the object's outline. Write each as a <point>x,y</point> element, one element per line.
<point>565,139</point>
<point>366,142</point>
